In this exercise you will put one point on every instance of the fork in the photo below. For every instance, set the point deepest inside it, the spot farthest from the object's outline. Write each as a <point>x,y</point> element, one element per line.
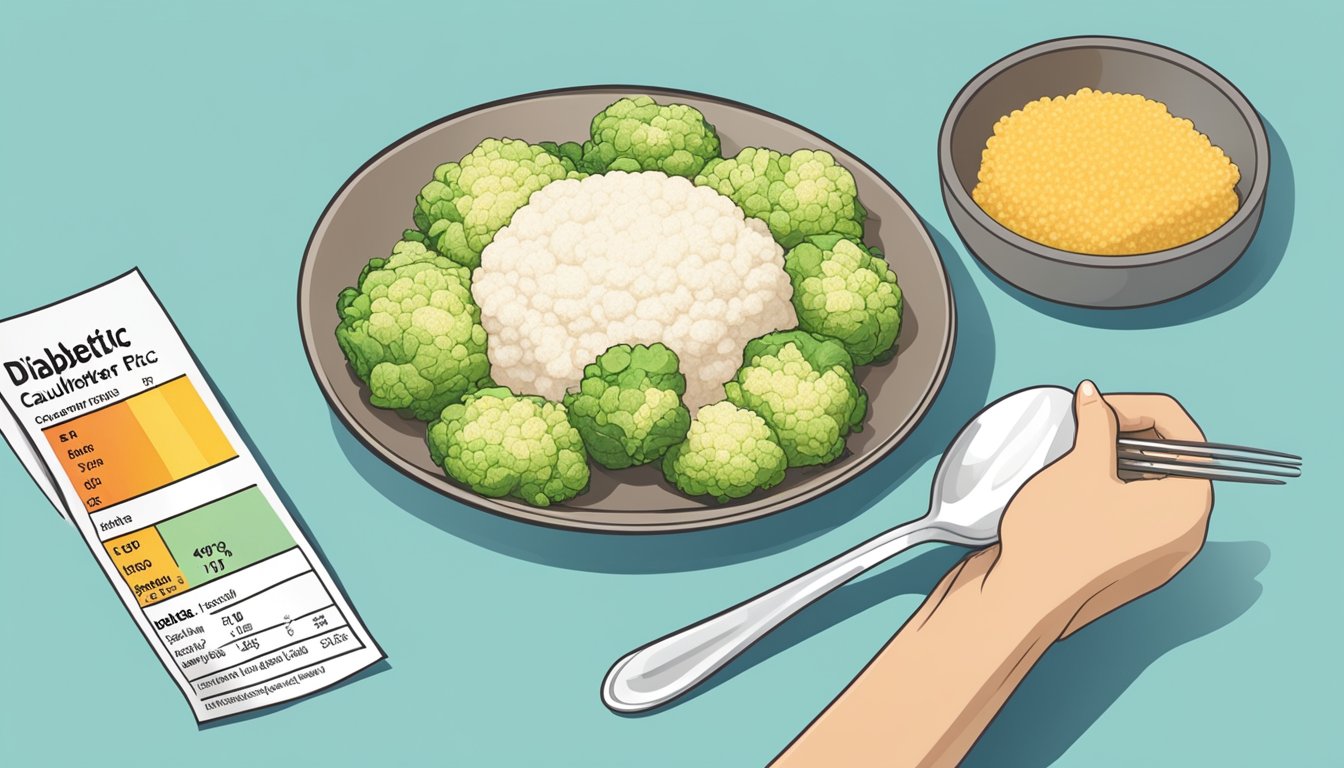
<point>1210,461</point>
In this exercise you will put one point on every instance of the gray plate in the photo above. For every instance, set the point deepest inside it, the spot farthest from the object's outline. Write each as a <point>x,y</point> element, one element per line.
<point>369,212</point>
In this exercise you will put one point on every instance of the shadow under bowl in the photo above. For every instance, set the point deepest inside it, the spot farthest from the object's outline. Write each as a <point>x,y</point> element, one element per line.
<point>1189,88</point>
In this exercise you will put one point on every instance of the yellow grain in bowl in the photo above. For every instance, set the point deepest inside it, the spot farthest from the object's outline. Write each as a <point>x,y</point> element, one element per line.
<point>1104,173</point>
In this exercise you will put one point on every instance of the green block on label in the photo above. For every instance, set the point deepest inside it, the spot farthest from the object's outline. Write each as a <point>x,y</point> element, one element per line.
<point>224,536</point>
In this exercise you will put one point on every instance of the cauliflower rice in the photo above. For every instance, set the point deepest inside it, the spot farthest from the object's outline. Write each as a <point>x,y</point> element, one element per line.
<point>632,258</point>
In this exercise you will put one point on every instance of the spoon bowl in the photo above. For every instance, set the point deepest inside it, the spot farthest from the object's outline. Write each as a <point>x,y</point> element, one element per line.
<point>1000,449</point>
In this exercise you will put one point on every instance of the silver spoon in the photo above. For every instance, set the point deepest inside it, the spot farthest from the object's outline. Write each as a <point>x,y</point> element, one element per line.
<point>1000,449</point>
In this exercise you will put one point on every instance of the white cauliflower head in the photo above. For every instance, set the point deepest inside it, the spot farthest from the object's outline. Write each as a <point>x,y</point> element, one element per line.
<point>628,258</point>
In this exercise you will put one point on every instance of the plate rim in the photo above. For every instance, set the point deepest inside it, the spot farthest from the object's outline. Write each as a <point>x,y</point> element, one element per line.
<point>537,515</point>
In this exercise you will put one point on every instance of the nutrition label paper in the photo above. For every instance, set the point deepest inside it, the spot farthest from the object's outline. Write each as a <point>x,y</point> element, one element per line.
<point>107,410</point>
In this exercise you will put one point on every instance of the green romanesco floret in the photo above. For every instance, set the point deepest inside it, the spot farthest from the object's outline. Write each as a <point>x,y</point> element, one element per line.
<point>470,200</point>
<point>728,453</point>
<point>411,331</point>
<point>628,407</point>
<point>846,291</point>
<point>798,195</point>
<point>803,386</point>
<point>637,134</point>
<point>500,444</point>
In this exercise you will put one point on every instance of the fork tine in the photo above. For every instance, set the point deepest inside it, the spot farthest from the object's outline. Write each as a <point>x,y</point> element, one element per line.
<point>1237,448</point>
<point>1213,450</point>
<point>1143,458</point>
<point>1203,472</point>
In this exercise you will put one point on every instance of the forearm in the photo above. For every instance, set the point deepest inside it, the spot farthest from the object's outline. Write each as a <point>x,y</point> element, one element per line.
<point>927,695</point>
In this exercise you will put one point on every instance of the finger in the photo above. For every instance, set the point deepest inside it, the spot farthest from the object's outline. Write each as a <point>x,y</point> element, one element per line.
<point>1094,442</point>
<point>1176,495</point>
<point>1138,412</point>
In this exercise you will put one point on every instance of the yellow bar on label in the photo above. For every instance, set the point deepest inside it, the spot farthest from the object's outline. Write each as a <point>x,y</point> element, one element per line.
<point>147,566</point>
<point>169,436</point>
<point>181,396</point>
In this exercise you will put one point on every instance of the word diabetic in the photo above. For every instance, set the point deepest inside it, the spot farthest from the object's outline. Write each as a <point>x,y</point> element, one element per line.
<point>95,346</point>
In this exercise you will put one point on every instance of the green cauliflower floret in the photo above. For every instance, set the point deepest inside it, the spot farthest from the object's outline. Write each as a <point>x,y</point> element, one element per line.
<point>501,444</point>
<point>803,386</point>
<point>628,407</point>
<point>470,200</point>
<point>798,195</point>
<point>637,134</point>
<point>570,150</point>
<point>728,453</point>
<point>412,332</point>
<point>846,291</point>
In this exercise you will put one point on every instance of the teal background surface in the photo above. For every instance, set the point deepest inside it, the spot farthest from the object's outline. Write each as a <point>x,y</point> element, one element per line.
<point>201,142</point>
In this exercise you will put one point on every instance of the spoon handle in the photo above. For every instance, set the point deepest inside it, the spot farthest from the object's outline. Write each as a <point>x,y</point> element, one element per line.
<point>671,666</point>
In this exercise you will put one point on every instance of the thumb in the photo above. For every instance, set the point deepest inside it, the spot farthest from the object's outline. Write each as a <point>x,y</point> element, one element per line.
<point>1094,442</point>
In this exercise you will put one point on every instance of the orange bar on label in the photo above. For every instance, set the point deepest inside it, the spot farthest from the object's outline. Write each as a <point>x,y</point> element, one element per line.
<point>108,457</point>
<point>139,445</point>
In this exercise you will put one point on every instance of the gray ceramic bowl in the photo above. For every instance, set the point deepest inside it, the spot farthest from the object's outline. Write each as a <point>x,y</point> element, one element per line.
<point>1057,67</point>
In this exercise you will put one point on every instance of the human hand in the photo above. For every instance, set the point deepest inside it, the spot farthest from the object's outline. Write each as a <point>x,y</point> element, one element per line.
<point>1076,542</point>
<point>1087,541</point>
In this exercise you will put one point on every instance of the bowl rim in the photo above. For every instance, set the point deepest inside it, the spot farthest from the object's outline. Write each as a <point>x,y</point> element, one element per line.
<point>1247,209</point>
